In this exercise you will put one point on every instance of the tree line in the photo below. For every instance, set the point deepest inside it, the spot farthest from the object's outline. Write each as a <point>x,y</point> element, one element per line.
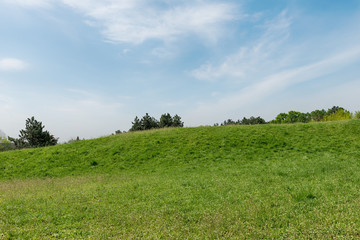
<point>34,135</point>
<point>335,113</point>
<point>147,122</point>
<point>245,121</point>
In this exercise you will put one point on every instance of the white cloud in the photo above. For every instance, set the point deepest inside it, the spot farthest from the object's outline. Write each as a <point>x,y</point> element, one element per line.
<point>12,64</point>
<point>248,59</point>
<point>31,3</point>
<point>277,82</point>
<point>136,21</point>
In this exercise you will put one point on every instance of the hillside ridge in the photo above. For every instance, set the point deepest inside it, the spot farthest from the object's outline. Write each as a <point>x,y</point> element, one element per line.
<point>181,147</point>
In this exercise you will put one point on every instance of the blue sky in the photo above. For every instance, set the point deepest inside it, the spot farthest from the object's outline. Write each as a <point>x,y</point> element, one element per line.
<point>87,68</point>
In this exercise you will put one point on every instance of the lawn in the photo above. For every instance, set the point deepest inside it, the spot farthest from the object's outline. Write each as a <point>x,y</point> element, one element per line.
<point>298,181</point>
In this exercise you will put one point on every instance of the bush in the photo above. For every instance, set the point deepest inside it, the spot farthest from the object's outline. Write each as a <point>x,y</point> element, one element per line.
<point>5,145</point>
<point>339,114</point>
<point>357,115</point>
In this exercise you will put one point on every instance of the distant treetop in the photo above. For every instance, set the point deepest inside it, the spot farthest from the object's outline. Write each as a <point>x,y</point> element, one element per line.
<point>147,122</point>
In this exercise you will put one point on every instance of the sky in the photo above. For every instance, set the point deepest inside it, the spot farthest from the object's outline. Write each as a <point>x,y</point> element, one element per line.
<point>87,67</point>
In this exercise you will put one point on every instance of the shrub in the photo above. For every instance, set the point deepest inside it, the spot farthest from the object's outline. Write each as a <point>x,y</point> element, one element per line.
<point>357,115</point>
<point>339,114</point>
<point>5,145</point>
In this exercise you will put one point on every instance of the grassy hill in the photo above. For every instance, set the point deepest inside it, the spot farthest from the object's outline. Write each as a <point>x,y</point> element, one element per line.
<point>258,182</point>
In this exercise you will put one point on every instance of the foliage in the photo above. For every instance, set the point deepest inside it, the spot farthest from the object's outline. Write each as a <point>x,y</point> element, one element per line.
<point>252,121</point>
<point>280,118</point>
<point>357,115</point>
<point>332,114</point>
<point>33,136</point>
<point>318,115</point>
<point>147,122</point>
<point>234,182</point>
<point>245,121</point>
<point>136,125</point>
<point>339,114</point>
<point>166,120</point>
<point>292,117</point>
<point>177,121</point>
<point>333,110</point>
<point>229,122</point>
<point>74,140</point>
<point>5,145</point>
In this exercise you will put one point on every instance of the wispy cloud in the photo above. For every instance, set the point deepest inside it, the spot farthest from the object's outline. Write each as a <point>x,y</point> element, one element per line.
<point>136,21</point>
<point>247,60</point>
<point>31,3</point>
<point>274,83</point>
<point>12,64</point>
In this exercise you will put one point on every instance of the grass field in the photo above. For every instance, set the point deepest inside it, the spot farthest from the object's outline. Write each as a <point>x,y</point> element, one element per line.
<point>298,181</point>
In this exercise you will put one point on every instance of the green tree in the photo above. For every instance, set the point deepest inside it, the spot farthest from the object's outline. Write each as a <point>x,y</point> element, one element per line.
<point>228,122</point>
<point>33,136</point>
<point>176,121</point>
<point>5,145</point>
<point>333,110</point>
<point>318,115</point>
<point>148,122</point>
<point>166,120</point>
<point>136,125</point>
<point>280,118</point>
<point>339,114</point>
<point>252,121</point>
<point>357,115</point>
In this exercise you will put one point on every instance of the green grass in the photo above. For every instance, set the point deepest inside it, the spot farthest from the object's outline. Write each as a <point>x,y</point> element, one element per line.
<point>298,181</point>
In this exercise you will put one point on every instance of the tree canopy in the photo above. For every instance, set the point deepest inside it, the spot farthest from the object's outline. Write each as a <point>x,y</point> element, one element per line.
<point>33,136</point>
<point>147,122</point>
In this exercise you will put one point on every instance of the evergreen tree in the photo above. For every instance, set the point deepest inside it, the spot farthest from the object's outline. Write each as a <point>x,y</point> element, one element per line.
<point>177,121</point>
<point>166,120</point>
<point>33,136</point>
<point>334,109</point>
<point>148,122</point>
<point>136,125</point>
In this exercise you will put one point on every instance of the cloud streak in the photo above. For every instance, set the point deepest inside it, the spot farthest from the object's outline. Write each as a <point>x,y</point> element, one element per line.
<point>277,82</point>
<point>136,21</point>
<point>31,3</point>
<point>12,64</point>
<point>248,58</point>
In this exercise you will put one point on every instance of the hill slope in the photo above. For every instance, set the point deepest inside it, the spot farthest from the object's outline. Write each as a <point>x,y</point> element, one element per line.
<point>256,182</point>
<point>156,149</point>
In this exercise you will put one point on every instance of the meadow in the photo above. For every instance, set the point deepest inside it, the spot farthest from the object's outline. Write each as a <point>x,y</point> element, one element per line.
<point>288,181</point>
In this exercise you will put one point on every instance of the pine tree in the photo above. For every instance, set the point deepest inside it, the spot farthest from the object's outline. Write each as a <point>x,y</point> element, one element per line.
<point>34,136</point>
<point>166,120</point>
<point>177,121</point>
<point>136,125</point>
